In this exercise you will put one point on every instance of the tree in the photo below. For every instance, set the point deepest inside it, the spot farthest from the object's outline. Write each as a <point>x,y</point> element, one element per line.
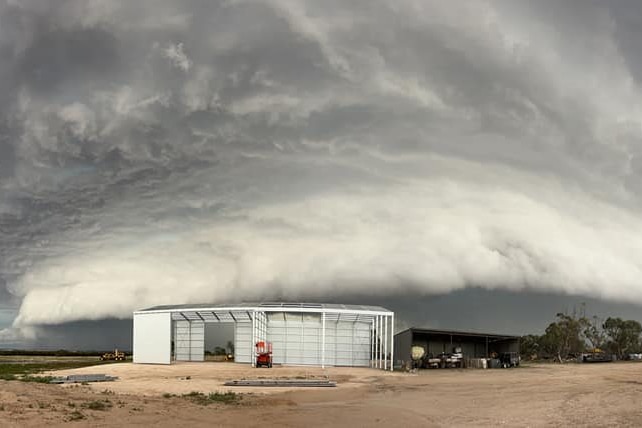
<point>564,336</point>
<point>624,335</point>
<point>594,333</point>
<point>529,345</point>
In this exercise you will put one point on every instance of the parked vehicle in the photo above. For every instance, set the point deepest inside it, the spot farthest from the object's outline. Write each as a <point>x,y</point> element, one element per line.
<point>596,355</point>
<point>509,359</point>
<point>264,354</point>
<point>113,356</point>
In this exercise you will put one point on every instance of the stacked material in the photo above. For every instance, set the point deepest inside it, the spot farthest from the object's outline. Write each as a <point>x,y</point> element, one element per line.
<point>83,378</point>
<point>282,383</point>
<point>476,363</point>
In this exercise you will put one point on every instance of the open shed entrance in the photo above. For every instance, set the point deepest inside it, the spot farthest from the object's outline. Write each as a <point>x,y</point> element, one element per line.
<point>195,332</point>
<point>219,341</point>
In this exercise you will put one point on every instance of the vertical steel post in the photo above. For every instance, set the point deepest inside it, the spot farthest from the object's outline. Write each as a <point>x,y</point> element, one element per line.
<point>372,344</point>
<point>253,344</point>
<point>377,343</point>
<point>392,341</point>
<point>487,355</point>
<point>385,343</point>
<point>380,342</point>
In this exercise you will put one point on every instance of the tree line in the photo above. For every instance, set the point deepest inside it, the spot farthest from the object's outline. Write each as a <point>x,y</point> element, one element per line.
<point>573,334</point>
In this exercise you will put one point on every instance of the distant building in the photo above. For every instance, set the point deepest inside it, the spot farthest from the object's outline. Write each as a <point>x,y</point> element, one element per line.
<point>300,333</point>
<point>436,342</point>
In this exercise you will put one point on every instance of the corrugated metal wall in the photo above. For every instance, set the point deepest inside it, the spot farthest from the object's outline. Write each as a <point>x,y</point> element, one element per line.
<point>352,344</point>
<point>243,342</point>
<point>189,340</point>
<point>403,345</point>
<point>297,339</point>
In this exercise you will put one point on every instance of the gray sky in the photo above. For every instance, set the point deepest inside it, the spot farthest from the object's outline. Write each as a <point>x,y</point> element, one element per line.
<point>157,151</point>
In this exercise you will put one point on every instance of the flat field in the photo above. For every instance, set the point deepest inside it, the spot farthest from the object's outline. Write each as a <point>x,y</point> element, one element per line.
<point>536,395</point>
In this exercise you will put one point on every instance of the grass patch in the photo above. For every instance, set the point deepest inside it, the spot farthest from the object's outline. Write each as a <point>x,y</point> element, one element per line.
<point>101,405</point>
<point>25,371</point>
<point>36,379</point>
<point>213,397</point>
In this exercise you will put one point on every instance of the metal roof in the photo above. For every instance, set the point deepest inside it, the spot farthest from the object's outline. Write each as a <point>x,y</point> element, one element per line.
<point>269,306</point>
<point>241,312</point>
<point>459,333</point>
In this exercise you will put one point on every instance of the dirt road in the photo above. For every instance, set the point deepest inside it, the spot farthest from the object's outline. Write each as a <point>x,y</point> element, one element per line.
<point>539,395</point>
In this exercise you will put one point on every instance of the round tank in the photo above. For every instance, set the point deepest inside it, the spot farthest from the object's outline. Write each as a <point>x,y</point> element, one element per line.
<point>417,352</point>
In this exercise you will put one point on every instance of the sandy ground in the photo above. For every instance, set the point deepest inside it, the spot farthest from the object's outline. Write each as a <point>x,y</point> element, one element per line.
<point>539,395</point>
<point>210,377</point>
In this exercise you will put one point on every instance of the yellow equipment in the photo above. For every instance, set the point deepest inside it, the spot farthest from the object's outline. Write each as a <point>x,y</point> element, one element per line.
<point>113,356</point>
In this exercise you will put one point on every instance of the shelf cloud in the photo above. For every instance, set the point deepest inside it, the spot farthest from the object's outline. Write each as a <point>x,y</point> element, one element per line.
<point>159,151</point>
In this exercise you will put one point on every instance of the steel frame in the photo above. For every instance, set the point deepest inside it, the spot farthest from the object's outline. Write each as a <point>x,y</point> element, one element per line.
<point>381,337</point>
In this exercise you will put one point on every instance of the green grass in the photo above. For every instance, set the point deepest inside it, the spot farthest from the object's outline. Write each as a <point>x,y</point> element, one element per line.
<point>213,397</point>
<point>25,371</point>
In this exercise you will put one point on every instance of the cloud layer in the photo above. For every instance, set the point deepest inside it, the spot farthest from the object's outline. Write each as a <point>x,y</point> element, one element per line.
<point>155,152</point>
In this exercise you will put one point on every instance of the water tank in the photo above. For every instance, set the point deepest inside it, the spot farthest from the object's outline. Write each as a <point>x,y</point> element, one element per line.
<point>417,352</point>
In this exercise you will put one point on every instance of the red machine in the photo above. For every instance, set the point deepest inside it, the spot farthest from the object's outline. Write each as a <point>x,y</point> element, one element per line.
<point>264,354</point>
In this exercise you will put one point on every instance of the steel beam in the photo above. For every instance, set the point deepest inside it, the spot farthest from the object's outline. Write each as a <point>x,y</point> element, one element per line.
<point>372,344</point>
<point>392,342</point>
<point>385,343</point>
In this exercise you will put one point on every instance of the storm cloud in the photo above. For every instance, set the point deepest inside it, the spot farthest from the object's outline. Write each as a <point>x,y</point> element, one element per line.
<point>158,152</point>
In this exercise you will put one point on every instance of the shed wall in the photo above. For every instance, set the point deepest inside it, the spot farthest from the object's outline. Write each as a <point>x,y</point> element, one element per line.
<point>152,338</point>
<point>403,343</point>
<point>189,340</point>
<point>298,338</point>
<point>298,341</point>
<point>243,342</point>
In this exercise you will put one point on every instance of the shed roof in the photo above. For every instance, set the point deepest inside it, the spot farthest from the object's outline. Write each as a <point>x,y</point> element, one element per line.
<point>270,306</point>
<point>242,312</point>
<point>460,333</point>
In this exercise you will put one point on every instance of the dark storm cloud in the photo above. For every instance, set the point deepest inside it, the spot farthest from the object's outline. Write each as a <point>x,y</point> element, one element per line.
<point>62,60</point>
<point>158,151</point>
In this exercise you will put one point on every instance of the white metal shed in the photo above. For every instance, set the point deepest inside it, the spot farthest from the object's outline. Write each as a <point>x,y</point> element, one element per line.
<point>301,333</point>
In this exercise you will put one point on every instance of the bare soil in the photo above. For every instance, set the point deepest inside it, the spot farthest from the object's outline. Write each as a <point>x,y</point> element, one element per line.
<point>537,395</point>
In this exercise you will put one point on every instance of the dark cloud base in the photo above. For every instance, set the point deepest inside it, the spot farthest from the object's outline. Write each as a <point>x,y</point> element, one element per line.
<point>471,309</point>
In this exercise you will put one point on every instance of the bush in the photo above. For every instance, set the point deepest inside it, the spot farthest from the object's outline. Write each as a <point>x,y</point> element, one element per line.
<point>98,405</point>
<point>213,397</point>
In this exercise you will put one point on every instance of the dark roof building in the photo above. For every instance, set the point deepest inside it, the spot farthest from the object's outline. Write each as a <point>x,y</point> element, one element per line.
<point>437,341</point>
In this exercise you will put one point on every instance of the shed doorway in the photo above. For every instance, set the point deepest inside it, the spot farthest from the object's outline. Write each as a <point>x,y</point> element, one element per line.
<point>219,341</point>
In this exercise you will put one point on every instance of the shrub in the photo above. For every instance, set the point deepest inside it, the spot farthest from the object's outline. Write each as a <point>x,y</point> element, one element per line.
<point>98,405</point>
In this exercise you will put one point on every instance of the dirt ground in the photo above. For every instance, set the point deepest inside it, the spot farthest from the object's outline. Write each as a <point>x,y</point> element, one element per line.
<point>537,395</point>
